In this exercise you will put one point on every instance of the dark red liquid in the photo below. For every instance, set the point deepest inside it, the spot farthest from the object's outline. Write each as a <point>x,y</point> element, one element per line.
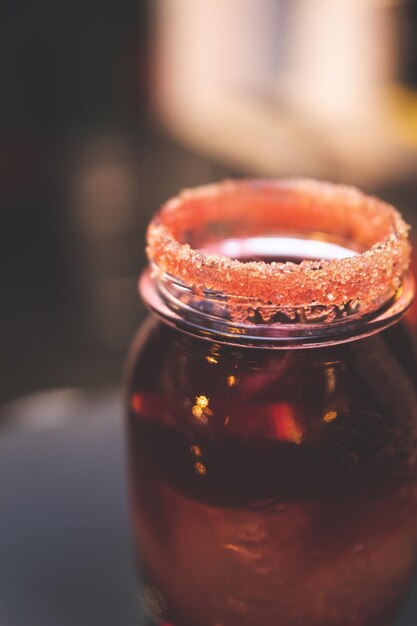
<point>273,487</point>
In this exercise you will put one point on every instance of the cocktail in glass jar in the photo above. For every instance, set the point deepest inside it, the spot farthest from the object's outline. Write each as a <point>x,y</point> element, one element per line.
<point>272,409</point>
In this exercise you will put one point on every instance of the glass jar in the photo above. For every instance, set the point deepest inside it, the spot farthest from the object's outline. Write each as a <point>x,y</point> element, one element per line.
<point>272,427</point>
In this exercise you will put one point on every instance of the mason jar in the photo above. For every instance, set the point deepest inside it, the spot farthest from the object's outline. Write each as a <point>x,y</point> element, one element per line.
<point>272,409</point>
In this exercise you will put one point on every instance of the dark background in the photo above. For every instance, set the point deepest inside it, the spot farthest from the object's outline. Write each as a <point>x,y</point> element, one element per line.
<point>75,113</point>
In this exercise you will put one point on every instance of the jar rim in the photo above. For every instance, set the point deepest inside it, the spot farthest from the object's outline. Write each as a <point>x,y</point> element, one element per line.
<point>180,230</point>
<point>279,299</point>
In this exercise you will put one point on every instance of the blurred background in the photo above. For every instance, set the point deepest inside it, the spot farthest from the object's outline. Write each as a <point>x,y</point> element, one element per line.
<point>107,108</point>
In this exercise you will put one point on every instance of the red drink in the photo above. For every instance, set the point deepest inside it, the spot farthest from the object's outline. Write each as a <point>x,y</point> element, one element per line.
<point>274,484</point>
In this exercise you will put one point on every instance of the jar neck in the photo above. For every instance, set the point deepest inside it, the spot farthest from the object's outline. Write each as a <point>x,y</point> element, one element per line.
<point>207,315</point>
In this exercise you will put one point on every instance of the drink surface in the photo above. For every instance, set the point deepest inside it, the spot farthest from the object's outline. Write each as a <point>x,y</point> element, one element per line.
<point>274,487</point>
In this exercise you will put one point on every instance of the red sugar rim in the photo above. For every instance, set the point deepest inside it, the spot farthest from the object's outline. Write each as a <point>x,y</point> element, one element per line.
<point>198,217</point>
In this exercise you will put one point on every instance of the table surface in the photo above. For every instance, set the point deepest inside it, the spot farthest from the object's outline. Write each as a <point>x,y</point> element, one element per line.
<point>65,552</point>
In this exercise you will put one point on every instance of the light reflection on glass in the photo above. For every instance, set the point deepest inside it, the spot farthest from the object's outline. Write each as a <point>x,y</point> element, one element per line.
<point>232,547</point>
<point>200,468</point>
<point>153,603</point>
<point>286,426</point>
<point>330,379</point>
<point>195,450</point>
<point>213,356</point>
<point>329,416</point>
<point>201,410</point>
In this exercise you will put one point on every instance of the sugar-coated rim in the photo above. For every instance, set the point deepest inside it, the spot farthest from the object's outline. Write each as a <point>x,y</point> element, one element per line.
<point>366,223</point>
